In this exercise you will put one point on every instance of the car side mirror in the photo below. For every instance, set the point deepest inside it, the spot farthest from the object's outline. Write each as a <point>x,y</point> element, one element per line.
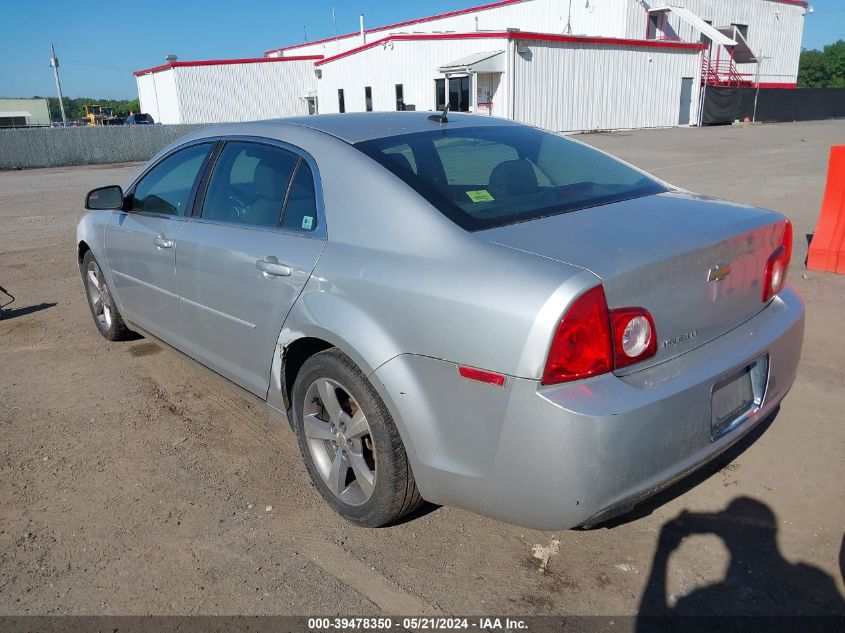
<point>104,198</point>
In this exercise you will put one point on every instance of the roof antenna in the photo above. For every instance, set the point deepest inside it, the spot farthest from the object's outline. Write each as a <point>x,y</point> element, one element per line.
<point>442,118</point>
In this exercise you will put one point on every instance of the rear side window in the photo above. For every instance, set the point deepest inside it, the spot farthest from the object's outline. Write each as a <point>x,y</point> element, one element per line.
<point>492,176</point>
<point>249,184</point>
<point>167,187</point>
<point>301,207</point>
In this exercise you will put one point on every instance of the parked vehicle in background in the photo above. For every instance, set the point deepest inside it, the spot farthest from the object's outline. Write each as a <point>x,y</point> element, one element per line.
<point>468,311</point>
<point>139,119</point>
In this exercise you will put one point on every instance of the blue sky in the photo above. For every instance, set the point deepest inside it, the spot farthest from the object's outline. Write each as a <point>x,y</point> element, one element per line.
<point>99,45</point>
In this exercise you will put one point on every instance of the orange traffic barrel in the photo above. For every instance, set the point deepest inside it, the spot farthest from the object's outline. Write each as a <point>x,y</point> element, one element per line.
<point>827,248</point>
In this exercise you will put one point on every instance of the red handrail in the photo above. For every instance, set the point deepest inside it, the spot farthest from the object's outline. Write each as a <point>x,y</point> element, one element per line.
<point>724,73</point>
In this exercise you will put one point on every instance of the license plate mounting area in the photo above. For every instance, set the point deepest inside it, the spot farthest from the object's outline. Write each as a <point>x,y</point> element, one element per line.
<point>738,396</point>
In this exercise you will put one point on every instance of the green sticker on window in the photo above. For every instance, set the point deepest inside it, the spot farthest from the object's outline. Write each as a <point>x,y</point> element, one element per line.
<point>307,222</point>
<point>482,195</point>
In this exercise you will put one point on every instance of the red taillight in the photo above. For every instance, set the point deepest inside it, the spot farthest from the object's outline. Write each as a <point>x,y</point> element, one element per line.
<point>582,345</point>
<point>775,278</point>
<point>633,336</point>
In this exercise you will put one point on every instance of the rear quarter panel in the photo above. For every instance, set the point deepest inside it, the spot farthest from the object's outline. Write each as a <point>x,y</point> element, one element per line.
<point>397,277</point>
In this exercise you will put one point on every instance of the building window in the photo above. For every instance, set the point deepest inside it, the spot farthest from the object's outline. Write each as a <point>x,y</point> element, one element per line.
<point>743,29</point>
<point>703,39</point>
<point>341,102</point>
<point>12,121</point>
<point>653,29</point>
<point>368,98</point>
<point>400,97</point>
<point>458,94</point>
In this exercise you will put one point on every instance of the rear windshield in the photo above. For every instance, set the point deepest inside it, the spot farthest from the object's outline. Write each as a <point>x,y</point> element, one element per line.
<point>483,177</point>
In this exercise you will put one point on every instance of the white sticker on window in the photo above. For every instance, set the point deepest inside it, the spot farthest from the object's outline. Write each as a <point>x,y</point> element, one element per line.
<point>307,222</point>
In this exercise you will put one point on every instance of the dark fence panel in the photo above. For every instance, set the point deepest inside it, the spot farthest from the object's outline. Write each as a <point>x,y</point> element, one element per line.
<point>725,105</point>
<point>56,147</point>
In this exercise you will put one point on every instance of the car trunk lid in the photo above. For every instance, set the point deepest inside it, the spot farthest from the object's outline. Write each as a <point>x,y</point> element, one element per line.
<point>696,264</point>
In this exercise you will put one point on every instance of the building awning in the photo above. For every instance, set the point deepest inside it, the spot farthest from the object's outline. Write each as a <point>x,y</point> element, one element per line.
<point>717,35</point>
<point>489,62</point>
<point>742,52</point>
<point>14,113</point>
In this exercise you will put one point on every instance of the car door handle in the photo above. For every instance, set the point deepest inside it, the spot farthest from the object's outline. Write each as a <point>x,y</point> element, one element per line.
<point>270,266</point>
<point>162,242</point>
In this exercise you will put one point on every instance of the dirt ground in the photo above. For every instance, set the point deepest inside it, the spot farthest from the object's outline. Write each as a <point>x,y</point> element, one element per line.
<point>132,482</point>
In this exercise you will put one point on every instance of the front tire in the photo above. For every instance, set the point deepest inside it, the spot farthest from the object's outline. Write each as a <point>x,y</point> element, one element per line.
<point>103,309</point>
<point>349,442</point>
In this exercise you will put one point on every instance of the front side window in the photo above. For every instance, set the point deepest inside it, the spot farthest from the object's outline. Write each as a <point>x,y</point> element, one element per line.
<point>483,177</point>
<point>249,184</point>
<point>167,187</point>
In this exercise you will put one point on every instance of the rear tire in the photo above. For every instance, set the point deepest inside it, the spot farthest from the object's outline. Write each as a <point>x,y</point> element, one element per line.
<point>106,316</point>
<point>349,442</point>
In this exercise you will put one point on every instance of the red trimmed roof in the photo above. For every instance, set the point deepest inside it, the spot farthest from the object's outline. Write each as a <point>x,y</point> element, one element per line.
<point>483,7</point>
<point>398,25</point>
<point>515,35</point>
<point>226,62</point>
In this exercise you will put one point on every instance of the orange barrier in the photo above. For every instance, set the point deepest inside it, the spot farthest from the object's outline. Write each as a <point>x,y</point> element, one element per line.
<point>827,249</point>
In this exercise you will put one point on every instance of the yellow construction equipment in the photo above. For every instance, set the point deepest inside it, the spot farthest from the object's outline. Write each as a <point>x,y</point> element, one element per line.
<point>100,115</point>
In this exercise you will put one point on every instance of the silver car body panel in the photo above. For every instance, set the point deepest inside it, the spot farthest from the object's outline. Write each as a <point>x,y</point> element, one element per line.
<point>144,276</point>
<point>656,253</point>
<point>410,296</point>
<point>233,312</point>
<point>554,457</point>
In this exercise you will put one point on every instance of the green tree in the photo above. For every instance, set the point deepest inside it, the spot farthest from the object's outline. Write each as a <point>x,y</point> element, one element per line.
<point>824,68</point>
<point>74,108</point>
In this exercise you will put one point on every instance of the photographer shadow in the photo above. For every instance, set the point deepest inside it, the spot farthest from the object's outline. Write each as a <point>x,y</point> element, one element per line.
<point>758,581</point>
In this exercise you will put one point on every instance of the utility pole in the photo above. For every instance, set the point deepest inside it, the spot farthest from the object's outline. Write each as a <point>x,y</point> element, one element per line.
<point>54,63</point>
<point>568,29</point>
<point>334,22</point>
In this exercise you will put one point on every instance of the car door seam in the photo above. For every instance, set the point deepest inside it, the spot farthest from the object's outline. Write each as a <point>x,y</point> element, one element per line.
<point>144,283</point>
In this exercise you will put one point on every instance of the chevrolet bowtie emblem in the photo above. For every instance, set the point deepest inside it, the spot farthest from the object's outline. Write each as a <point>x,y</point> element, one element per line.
<point>718,272</point>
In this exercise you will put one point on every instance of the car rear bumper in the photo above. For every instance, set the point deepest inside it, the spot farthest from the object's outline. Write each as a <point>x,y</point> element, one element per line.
<point>567,455</point>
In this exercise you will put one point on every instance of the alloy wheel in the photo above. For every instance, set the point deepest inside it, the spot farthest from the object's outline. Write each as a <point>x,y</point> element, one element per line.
<point>98,293</point>
<point>339,440</point>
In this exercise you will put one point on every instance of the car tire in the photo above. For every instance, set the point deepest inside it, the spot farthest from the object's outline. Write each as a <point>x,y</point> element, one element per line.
<point>343,438</point>
<point>106,316</point>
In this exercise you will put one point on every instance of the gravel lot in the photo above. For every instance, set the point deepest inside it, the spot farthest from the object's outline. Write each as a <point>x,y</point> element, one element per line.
<point>132,482</point>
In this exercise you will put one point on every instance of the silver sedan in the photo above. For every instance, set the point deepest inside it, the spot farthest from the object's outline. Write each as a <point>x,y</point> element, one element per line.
<point>467,311</point>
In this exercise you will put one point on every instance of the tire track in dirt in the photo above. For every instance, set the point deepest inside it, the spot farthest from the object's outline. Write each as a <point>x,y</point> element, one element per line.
<point>329,557</point>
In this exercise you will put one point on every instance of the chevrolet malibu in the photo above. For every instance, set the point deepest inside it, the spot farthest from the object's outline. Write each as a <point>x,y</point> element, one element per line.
<point>463,310</point>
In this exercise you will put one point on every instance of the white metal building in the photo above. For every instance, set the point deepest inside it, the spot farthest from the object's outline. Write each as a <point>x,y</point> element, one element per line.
<point>214,91</point>
<point>565,66</point>
<point>24,112</point>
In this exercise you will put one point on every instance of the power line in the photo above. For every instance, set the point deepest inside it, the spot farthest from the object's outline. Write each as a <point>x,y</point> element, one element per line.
<point>73,61</point>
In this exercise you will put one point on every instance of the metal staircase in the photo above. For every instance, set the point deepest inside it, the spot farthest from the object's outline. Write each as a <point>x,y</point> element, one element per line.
<point>724,73</point>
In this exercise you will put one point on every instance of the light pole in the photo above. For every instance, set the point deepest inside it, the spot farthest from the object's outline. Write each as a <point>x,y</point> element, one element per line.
<point>54,63</point>
<point>757,92</point>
